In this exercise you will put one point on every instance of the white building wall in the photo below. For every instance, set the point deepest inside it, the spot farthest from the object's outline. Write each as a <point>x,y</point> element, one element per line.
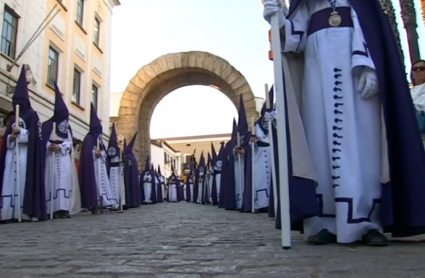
<point>157,157</point>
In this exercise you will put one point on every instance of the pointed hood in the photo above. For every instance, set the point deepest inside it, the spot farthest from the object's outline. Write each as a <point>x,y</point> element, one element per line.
<point>60,114</point>
<point>213,152</point>
<point>263,124</point>
<point>159,170</point>
<point>113,149</point>
<point>148,163</point>
<point>95,126</point>
<point>201,167</point>
<point>234,129</point>
<point>21,96</point>
<point>210,160</point>
<point>242,121</point>
<point>129,148</point>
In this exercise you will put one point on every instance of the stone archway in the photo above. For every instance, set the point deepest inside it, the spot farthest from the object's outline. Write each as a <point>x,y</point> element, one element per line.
<point>166,74</point>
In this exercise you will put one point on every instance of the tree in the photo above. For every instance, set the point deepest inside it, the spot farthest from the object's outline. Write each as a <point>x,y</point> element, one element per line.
<point>388,8</point>
<point>408,14</point>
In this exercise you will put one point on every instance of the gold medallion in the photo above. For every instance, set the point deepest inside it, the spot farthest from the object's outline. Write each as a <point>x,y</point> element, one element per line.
<point>335,19</point>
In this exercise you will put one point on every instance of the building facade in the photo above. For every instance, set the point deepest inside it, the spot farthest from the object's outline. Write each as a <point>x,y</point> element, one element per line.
<point>70,44</point>
<point>165,156</point>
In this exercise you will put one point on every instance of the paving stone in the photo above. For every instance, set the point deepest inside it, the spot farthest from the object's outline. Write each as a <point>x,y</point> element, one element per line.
<point>191,241</point>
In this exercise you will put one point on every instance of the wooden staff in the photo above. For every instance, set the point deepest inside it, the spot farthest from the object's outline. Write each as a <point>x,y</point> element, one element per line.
<point>52,175</point>
<point>18,166</point>
<point>99,173</point>
<point>253,164</point>
<point>279,85</point>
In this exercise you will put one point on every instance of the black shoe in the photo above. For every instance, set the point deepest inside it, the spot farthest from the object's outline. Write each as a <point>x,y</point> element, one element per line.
<point>375,238</point>
<point>321,238</point>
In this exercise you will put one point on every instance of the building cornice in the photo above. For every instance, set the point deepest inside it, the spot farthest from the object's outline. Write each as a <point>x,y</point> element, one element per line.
<point>115,3</point>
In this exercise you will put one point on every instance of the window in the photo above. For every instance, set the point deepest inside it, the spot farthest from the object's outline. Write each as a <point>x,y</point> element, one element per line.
<point>96,38</point>
<point>94,94</point>
<point>76,89</point>
<point>8,35</point>
<point>165,158</point>
<point>187,158</point>
<point>80,12</point>
<point>52,70</point>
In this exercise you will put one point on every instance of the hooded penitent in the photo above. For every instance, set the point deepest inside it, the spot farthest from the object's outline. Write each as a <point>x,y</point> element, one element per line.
<point>88,185</point>
<point>131,176</point>
<point>34,203</point>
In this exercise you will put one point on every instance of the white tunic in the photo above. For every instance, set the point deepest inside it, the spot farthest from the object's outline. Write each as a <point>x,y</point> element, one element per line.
<point>200,189</point>
<point>100,163</point>
<point>217,177</point>
<point>239,178</point>
<point>116,181</point>
<point>9,194</point>
<point>191,190</point>
<point>76,195</point>
<point>58,175</point>
<point>343,130</point>
<point>147,188</point>
<point>262,170</point>
<point>172,191</point>
<point>162,186</point>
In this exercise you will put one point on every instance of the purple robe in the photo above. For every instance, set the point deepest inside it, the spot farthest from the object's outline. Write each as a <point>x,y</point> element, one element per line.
<point>131,177</point>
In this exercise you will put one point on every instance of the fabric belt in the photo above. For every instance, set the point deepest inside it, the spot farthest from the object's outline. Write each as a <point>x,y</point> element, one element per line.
<point>320,19</point>
<point>114,164</point>
<point>262,144</point>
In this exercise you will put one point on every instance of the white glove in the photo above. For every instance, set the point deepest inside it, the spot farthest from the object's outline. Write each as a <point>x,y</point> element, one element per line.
<point>269,116</point>
<point>272,7</point>
<point>368,84</point>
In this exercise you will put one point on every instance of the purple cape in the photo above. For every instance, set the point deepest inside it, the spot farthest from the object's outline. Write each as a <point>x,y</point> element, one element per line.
<point>131,181</point>
<point>402,205</point>
<point>247,173</point>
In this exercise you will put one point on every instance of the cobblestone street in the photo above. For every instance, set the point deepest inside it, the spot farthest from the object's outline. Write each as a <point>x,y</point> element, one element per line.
<point>188,240</point>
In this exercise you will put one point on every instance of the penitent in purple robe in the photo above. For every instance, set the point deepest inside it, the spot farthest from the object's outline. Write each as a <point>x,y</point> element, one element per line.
<point>131,176</point>
<point>34,199</point>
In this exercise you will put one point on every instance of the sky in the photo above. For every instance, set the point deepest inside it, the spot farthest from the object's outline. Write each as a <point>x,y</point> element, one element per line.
<point>143,30</point>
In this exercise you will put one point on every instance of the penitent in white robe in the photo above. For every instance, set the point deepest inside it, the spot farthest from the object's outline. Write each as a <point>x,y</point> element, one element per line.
<point>172,191</point>
<point>343,130</point>
<point>162,186</point>
<point>104,189</point>
<point>191,188</point>
<point>262,168</point>
<point>217,177</point>
<point>9,194</point>
<point>239,178</point>
<point>200,189</point>
<point>116,181</point>
<point>147,189</point>
<point>58,173</point>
